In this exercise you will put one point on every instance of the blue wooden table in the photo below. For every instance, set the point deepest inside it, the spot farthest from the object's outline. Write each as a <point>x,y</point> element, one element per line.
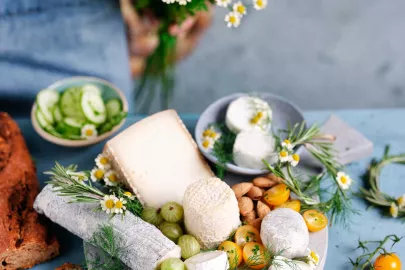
<point>380,126</point>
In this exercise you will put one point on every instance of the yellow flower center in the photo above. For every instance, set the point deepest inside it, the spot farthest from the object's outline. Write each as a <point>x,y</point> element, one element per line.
<point>393,210</point>
<point>104,160</point>
<point>287,141</point>
<point>127,193</point>
<point>213,134</point>
<point>401,201</point>
<point>109,204</point>
<point>283,154</point>
<point>296,157</point>
<point>89,132</point>
<point>99,174</point>
<point>118,204</point>
<point>112,177</point>
<point>241,9</point>
<point>343,179</point>
<point>232,19</point>
<point>259,3</point>
<point>207,133</point>
<point>257,117</point>
<point>206,143</point>
<point>315,257</point>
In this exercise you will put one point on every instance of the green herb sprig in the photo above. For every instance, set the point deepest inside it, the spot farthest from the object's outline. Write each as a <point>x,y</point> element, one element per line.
<point>223,149</point>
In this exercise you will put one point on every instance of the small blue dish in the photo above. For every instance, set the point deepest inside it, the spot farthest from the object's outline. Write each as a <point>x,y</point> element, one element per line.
<point>284,113</point>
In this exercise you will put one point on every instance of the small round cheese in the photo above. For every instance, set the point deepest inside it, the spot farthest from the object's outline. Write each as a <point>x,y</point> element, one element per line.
<point>283,263</point>
<point>211,260</point>
<point>211,211</point>
<point>247,113</point>
<point>251,147</point>
<point>285,230</point>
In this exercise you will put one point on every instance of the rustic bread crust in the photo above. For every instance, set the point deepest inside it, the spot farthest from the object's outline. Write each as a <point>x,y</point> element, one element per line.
<point>24,238</point>
<point>69,266</point>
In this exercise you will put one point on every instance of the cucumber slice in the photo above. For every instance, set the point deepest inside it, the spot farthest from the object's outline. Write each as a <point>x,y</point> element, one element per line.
<point>46,100</point>
<point>57,114</point>
<point>43,123</point>
<point>53,132</point>
<point>93,107</point>
<point>74,122</point>
<point>91,88</point>
<point>113,107</point>
<point>70,102</point>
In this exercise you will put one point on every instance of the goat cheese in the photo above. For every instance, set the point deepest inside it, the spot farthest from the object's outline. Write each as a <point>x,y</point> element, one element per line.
<point>212,260</point>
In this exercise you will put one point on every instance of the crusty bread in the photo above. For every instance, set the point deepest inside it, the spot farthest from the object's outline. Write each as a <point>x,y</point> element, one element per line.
<point>24,237</point>
<point>69,266</point>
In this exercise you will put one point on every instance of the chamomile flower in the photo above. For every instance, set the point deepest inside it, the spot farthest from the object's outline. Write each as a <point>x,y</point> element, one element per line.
<point>78,176</point>
<point>394,210</point>
<point>169,1</point>
<point>119,206</point>
<point>401,201</point>
<point>240,8</point>
<point>232,19</point>
<point>103,162</point>
<point>313,258</point>
<point>223,3</point>
<point>287,145</point>
<point>97,174</point>
<point>257,116</point>
<point>129,195</point>
<point>283,156</point>
<point>259,4</point>
<point>183,2</point>
<point>89,131</point>
<point>294,159</point>
<point>343,180</point>
<point>111,178</point>
<point>208,143</point>
<point>212,133</point>
<point>108,203</point>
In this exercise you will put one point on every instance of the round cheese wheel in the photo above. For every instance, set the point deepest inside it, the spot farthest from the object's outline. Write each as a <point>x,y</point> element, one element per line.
<point>211,211</point>
<point>285,230</point>
<point>211,260</point>
<point>251,147</point>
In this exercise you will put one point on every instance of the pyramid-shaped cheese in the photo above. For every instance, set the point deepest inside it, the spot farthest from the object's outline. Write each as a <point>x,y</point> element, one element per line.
<point>157,158</point>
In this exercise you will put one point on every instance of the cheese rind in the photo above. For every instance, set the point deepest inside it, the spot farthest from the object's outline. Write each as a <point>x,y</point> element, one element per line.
<point>211,211</point>
<point>211,260</point>
<point>157,158</point>
<point>285,230</point>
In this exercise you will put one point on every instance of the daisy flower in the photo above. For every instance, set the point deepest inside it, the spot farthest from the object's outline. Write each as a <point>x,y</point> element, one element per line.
<point>283,156</point>
<point>119,206</point>
<point>223,3</point>
<point>294,159</point>
<point>111,178</point>
<point>129,195</point>
<point>313,258</point>
<point>259,4</point>
<point>212,133</point>
<point>394,210</point>
<point>343,180</point>
<point>183,2</point>
<point>108,203</point>
<point>401,201</point>
<point>89,131</point>
<point>169,1</point>
<point>239,8</point>
<point>97,174</point>
<point>103,162</point>
<point>259,115</point>
<point>287,145</point>
<point>208,143</point>
<point>232,19</point>
<point>78,176</point>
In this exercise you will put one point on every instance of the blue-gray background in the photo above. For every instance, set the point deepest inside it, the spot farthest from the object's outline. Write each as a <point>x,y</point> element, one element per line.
<point>318,53</point>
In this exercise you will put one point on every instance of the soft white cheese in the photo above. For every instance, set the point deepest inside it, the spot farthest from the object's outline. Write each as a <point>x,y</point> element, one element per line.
<point>251,147</point>
<point>211,211</point>
<point>157,158</point>
<point>211,260</point>
<point>242,114</point>
<point>285,230</point>
<point>283,263</point>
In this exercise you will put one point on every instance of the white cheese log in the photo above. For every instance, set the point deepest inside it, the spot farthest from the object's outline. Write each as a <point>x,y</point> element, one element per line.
<point>145,245</point>
<point>285,230</point>
<point>241,111</point>
<point>211,212</point>
<point>283,263</point>
<point>211,260</point>
<point>157,158</point>
<point>252,147</point>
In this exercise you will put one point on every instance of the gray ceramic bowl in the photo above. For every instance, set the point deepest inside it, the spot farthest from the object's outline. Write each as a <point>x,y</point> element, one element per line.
<point>284,112</point>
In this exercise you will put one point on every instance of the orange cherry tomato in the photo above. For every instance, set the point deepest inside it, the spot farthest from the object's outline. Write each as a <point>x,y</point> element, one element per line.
<point>293,204</point>
<point>233,251</point>
<point>277,195</point>
<point>254,255</point>
<point>315,220</point>
<point>245,234</point>
<point>388,261</point>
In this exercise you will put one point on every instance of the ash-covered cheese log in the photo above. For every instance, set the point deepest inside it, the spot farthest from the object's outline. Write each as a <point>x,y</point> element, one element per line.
<point>145,246</point>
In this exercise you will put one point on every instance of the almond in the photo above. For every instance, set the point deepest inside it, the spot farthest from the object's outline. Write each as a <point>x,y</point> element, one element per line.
<point>255,193</point>
<point>257,223</point>
<point>249,216</point>
<point>263,182</point>
<point>241,189</point>
<point>245,205</point>
<point>262,209</point>
<point>274,178</point>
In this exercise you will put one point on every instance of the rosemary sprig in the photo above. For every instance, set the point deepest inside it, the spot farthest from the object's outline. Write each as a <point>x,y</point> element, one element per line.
<point>364,261</point>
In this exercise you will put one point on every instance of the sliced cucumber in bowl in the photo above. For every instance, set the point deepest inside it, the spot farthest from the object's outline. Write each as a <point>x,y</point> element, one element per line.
<point>70,102</point>
<point>46,100</point>
<point>114,107</point>
<point>93,108</point>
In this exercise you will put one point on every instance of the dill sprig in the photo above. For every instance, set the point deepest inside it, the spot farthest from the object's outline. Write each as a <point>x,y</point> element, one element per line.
<point>372,193</point>
<point>223,149</point>
<point>364,261</point>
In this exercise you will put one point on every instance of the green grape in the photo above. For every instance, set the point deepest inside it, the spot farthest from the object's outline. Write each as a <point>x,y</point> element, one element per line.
<point>172,212</point>
<point>189,246</point>
<point>152,216</point>
<point>171,230</point>
<point>172,264</point>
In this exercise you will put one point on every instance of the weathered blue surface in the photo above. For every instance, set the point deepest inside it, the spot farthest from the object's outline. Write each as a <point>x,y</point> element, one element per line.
<point>381,126</point>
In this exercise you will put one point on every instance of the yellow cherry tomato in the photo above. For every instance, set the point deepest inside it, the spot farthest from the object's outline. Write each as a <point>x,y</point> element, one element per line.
<point>277,195</point>
<point>315,220</point>
<point>233,251</point>
<point>254,255</point>
<point>388,261</point>
<point>294,205</point>
<point>245,234</point>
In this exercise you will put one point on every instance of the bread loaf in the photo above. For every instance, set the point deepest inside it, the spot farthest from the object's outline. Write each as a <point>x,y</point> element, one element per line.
<point>24,238</point>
